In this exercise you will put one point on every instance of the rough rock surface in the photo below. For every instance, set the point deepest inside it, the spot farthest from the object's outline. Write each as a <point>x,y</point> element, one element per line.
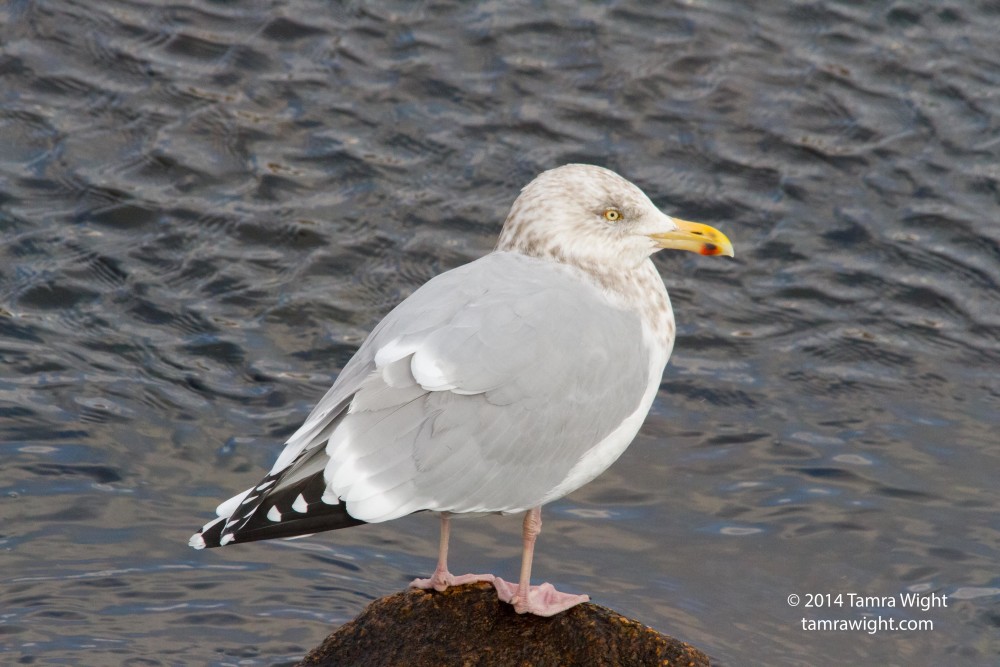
<point>467,625</point>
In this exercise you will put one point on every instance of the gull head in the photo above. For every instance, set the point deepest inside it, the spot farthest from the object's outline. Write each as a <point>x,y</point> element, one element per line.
<point>591,217</point>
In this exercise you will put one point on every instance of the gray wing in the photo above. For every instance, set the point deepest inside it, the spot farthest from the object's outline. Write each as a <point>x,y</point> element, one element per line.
<point>478,393</point>
<point>485,388</point>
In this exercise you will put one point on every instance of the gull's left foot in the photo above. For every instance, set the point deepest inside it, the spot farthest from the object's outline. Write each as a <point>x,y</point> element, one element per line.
<point>440,581</point>
<point>542,600</point>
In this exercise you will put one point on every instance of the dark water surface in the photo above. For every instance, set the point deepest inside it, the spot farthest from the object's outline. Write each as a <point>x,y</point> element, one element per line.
<point>205,206</point>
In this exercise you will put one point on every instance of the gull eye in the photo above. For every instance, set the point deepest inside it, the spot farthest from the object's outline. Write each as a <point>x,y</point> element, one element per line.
<point>612,215</point>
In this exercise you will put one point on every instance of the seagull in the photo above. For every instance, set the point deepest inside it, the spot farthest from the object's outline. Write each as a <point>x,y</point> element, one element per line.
<point>496,387</point>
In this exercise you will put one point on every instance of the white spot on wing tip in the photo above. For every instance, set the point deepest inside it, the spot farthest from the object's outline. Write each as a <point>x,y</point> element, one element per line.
<point>197,541</point>
<point>330,498</point>
<point>300,505</point>
<point>273,514</point>
<point>226,539</point>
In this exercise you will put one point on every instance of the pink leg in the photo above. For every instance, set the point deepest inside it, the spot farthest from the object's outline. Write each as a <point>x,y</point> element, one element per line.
<point>542,600</point>
<point>442,578</point>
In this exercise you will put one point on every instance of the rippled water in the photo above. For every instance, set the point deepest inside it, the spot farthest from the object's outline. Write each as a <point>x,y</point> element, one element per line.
<point>206,205</point>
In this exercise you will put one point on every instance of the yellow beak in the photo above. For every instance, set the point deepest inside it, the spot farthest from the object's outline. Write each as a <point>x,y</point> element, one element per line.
<point>695,237</point>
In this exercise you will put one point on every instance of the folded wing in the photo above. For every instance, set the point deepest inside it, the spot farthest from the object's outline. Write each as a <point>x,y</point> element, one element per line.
<point>479,393</point>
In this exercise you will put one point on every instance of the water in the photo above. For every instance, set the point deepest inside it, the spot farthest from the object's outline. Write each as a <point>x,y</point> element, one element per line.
<point>205,206</point>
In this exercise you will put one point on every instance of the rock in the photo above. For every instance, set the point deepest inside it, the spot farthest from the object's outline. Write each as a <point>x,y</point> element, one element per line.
<point>467,625</point>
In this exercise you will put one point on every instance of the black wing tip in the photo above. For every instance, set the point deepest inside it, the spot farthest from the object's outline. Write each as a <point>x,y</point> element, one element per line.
<point>209,536</point>
<point>276,508</point>
<point>319,521</point>
<point>214,535</point>
<point>258,524</point>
